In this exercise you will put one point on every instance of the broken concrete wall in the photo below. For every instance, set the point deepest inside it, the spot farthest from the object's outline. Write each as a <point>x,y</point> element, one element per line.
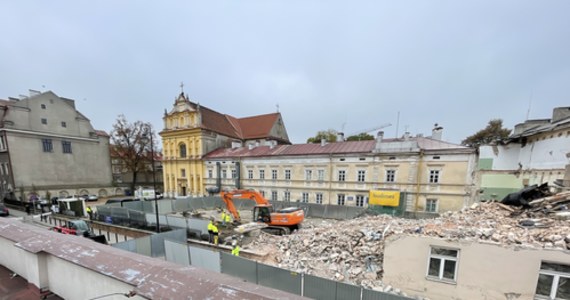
<point>484,271</point>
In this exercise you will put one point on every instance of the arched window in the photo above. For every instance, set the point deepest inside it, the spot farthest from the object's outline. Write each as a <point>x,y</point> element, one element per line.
<point>182,150</point>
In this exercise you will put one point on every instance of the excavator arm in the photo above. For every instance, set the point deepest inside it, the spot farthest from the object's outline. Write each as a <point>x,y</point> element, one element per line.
<point>241,194</point>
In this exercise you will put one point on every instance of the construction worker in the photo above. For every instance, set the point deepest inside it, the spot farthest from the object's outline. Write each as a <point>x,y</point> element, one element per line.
<point>223,217</point>
<point>211,231</point>
<point>215,232</point>
<point>90,212</point>
<point>235,249</point>
<point>227,219</point>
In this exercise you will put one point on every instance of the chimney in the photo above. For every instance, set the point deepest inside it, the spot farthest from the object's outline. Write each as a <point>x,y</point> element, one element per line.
<point>250,146</point>
<point>379,138</point>
<point>236,145</point>
<point>323,142</point>
<point>340,137</point>
<point>406,135</point>
<point>436,132</point>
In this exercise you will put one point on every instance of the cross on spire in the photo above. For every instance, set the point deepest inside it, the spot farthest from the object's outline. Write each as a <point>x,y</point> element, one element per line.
<point>182,87</point>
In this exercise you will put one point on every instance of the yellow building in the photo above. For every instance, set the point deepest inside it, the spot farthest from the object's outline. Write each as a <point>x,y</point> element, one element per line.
<point>429,175</point>
<point>191,131</point>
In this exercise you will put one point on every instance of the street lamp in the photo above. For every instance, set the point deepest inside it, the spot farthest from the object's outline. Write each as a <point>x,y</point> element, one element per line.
<point>149,132</point>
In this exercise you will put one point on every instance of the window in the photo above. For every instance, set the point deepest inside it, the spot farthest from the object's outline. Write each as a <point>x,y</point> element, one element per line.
<point>63,124</point>
<point>553,281</point>
<point>305,198</point>
<point>442,264</point>
<point>210,173</point>
<point>183,173</point>
<point>308,174</point>
<point>261,174</point>
<point>47,145</point>
<point>249,174</point>
<point>390,175</point>
<point>321,175</point>
<point>234,173</point>
<point>361,176</point>
<point>44,121</point>
<point>341,175</point>
<point>43,106</point>
<point>433,176</point>
<point>2,142</point>
<point>360,200</point>
<point>287,174</point>
<point>287,196</point>
<point>224,174</point>
<point>273,195</point>
<point>262,192</point>
<point>66,145</point>
<point>431,205</point>
<point>319,198</point>
<point>340,199</point>
<point>274,174</point>
<point>182,148</point>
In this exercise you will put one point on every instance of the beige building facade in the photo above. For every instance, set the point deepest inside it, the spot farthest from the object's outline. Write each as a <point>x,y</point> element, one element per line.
<point>432,175</point>
<point>438,269</point>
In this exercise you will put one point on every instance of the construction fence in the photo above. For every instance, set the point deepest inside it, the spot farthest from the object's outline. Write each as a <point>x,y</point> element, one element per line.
<point>142,214</point>
<point>269,276</point>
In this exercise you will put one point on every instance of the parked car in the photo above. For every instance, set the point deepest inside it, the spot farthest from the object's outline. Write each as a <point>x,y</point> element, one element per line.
<point>159,195</point>
<point>84,197</point>
<point>92,198</point>
<point>4,212</point>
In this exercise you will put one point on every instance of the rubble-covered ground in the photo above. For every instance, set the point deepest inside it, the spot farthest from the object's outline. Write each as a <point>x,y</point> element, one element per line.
<point>352,250</point>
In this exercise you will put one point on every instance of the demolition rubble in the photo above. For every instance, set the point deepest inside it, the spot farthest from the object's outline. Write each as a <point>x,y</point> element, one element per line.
<point>351,251</point>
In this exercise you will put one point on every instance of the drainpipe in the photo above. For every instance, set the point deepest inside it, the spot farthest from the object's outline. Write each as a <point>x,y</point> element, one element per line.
<point>238,175</point>
<point>418,178</point>
<point>219,176</point>
<point>330,177</point>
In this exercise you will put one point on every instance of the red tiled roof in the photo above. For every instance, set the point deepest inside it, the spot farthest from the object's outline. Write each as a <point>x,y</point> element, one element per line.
<point>253,127</point>
<point>300,149</point>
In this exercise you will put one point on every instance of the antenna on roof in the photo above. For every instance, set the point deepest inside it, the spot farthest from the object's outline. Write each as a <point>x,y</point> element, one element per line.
<point>277,105</point>
<point>182,87</point>
<point>397,124</point>
<point>529,103</point>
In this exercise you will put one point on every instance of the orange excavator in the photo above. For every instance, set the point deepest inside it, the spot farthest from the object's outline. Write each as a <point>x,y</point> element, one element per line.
<point>279,222</point>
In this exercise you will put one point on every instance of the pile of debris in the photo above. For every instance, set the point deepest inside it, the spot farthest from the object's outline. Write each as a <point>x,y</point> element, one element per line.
<point>351,251</point>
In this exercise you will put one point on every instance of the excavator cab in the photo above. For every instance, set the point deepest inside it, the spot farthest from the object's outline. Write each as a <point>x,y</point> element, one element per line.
<point>262,214</point>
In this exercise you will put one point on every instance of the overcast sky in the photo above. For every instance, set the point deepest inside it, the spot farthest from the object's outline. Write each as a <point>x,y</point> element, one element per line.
<point>344,65</point>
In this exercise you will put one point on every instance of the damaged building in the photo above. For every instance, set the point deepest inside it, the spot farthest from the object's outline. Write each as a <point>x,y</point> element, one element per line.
<point>536,152</point>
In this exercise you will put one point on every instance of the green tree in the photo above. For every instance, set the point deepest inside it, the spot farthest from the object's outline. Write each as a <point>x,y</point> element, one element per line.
<point>131,144</point>
<point>328,135</point>
<point>493,132</point>
<point>360,137</point>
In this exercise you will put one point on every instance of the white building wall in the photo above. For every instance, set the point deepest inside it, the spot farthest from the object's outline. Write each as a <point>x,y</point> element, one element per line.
<point>549,153</point>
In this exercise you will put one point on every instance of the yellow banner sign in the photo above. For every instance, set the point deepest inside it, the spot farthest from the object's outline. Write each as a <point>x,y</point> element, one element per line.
<point>384,198</point>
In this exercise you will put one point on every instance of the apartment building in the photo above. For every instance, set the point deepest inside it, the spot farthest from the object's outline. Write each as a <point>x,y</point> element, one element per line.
<point>192,130</point>
<point>48,147</point>
<point>537,151</point>
<point>431,174</point>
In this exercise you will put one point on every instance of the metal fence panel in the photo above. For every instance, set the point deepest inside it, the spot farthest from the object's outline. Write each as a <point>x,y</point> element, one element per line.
<point>135,205</point>
<point>317,211</point>
<point>143,246</point>
<point>137,218</point>
<point>130,245</point>
<point>175,221</point>
<point>198,224</point>
<point>280,279</point>
<point>157,241</point>
<point>177,252</point>
<point>205,258</point>
<point>181,204</point>
<point>353,212</point>
<point>336,212</point>
<point>196,203</point>
<point>347,291</point>
<point>318,288</point>
<point>375,295</point>
<point>239,267</point>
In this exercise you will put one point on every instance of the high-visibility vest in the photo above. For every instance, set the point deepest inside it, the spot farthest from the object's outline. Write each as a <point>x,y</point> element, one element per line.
<point>227,218</point>
<point>235,250</point>
<point>214,228</point>
<point>210,225</point>
<point>88,209</point>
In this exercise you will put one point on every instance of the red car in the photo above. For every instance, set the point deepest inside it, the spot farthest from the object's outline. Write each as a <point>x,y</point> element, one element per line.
<point>4,212</point>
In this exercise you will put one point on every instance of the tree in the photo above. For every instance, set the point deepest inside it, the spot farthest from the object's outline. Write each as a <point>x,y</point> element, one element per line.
<point>493,132</point>
<point>360,137</point>
<point>328,135</point>
<point>131,143</point>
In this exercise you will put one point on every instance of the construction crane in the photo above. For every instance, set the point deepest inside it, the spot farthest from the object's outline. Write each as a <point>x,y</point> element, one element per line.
<point>369,129</point>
